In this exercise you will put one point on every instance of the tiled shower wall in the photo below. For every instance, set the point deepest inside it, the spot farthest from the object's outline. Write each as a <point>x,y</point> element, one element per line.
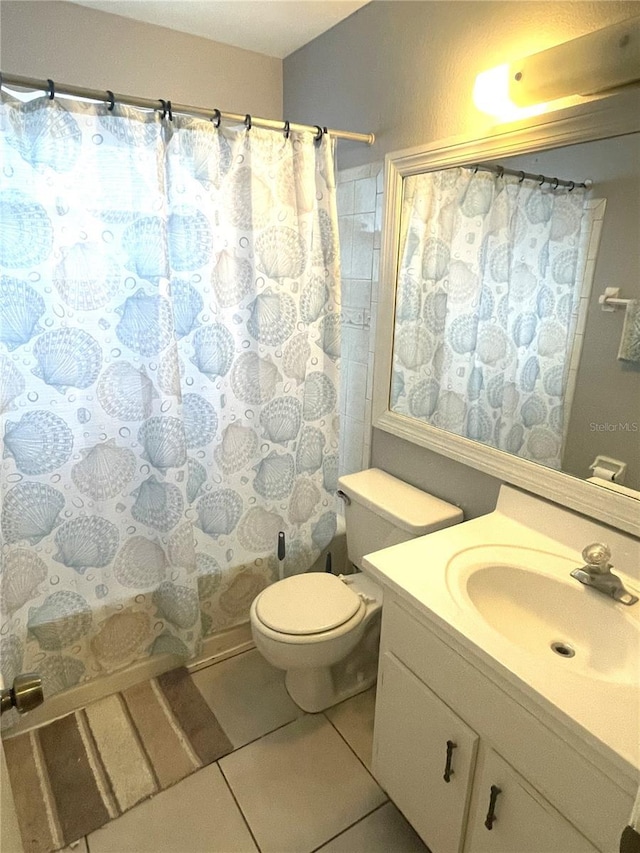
<point>359,199</point>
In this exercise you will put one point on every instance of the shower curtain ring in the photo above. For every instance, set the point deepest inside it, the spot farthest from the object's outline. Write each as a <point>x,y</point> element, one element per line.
<point>318,135</point>
<point>287,131</point>
<point>501,171</point>
<point>555,184</point>
<point>572,186</point>
<point>521,179</point>
<point>166,109</point>
<point>52,88</point>
<point>112,100</point>
<point>217,117</point>
<point>541,179</point>
<point>475,169</point>
<point>247,121</point>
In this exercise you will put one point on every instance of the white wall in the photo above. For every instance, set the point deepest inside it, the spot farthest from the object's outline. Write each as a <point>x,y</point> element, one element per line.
<point>359,201</point>
<point>85,47</point>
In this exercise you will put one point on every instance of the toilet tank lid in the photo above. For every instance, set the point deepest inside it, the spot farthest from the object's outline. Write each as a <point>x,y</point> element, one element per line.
<point>403,505</point>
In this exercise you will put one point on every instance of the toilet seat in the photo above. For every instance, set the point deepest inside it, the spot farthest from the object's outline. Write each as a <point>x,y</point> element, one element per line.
<point>307,604</point>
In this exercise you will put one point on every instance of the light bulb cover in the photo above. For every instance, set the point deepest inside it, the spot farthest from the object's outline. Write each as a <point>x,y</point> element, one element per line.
<point>596,62</point>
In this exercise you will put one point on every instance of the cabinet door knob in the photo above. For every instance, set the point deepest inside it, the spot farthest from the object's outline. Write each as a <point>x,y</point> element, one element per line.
<point>491,814</point>
<point>448,772</point>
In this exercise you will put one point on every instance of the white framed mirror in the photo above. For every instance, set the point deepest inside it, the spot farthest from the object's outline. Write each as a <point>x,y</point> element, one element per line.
<point>539,391</point>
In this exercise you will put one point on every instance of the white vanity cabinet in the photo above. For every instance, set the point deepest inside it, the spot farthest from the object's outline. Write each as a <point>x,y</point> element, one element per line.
<point>548,797</point>
<point>425,756</point>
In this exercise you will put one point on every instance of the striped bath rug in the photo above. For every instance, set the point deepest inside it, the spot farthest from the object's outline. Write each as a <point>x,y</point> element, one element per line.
<point>81,771</point>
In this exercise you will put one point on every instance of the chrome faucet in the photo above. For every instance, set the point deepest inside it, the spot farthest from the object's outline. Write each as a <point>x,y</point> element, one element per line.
<point>597,573</point>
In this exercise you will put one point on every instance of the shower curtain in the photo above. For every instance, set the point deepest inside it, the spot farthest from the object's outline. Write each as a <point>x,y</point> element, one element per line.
<point>169,347</point>
<point>491,270</point>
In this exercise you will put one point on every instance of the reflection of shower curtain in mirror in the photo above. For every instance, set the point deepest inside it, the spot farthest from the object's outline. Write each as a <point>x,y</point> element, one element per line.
<point>489,284</point>
<point>169,344</point>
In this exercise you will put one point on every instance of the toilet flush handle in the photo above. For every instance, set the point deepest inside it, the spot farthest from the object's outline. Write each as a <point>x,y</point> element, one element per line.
<point>344,497</point>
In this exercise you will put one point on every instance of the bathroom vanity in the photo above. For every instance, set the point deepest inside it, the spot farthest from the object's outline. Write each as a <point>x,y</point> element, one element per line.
<point>485,737</point>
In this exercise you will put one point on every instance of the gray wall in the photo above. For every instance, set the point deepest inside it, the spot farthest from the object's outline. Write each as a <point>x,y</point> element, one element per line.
<point>474,492</point>
<point>405,70</point>
<point>85,47</point>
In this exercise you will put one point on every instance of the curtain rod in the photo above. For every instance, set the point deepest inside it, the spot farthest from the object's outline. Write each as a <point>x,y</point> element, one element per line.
<point>541,179</point>
<point>48,86</point>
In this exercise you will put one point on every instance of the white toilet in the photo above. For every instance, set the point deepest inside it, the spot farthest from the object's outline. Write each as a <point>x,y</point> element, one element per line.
<point>323,629</point>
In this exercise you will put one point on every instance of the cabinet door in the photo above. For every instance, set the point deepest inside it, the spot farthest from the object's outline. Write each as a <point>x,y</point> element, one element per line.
<point>417,739</point>
<point>521,820</point>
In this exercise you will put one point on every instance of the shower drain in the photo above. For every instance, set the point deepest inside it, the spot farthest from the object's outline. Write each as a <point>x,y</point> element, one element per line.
<point>563,649</point>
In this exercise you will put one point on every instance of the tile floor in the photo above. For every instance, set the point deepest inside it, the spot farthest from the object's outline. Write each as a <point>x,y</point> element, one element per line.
<point>295,782</point>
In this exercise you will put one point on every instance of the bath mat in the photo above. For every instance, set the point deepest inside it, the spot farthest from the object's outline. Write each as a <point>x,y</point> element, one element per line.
<point>79,772</point>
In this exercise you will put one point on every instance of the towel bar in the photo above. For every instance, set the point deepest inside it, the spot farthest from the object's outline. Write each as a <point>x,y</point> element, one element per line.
<point>610,299</point>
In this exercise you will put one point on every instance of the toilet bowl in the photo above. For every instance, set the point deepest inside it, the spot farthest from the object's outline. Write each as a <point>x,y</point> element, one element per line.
<point>323,629</point>
<point>308,624</point>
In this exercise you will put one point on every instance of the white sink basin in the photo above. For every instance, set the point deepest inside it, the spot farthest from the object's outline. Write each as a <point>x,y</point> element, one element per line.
<point>500,586</point>
<point>529,598</point>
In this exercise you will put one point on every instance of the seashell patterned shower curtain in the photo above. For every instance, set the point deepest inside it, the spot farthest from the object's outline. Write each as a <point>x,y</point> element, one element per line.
<point>491,271</point>
<point>169,350</point>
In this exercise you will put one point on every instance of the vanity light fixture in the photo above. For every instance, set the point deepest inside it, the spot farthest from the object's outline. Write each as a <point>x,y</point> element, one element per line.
<point>598,62</point>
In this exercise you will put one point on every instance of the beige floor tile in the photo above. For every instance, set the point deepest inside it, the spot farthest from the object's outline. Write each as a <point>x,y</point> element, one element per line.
<point>384,831</point>
<point>196,815</point>
<point>354,720</point>
<point>299,786</point>
<point>247,695</point>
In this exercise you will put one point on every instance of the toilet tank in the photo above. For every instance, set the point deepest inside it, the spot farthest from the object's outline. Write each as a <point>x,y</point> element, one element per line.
<point>381,511</point>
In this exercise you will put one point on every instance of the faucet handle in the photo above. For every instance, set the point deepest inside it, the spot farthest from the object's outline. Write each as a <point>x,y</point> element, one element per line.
<point>597,557</point>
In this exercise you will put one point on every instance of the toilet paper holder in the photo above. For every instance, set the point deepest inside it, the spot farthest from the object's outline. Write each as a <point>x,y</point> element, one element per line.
<point>606,468</point>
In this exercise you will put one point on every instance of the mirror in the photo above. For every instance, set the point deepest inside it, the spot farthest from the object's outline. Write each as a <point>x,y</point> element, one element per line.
<point>494,346</point>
